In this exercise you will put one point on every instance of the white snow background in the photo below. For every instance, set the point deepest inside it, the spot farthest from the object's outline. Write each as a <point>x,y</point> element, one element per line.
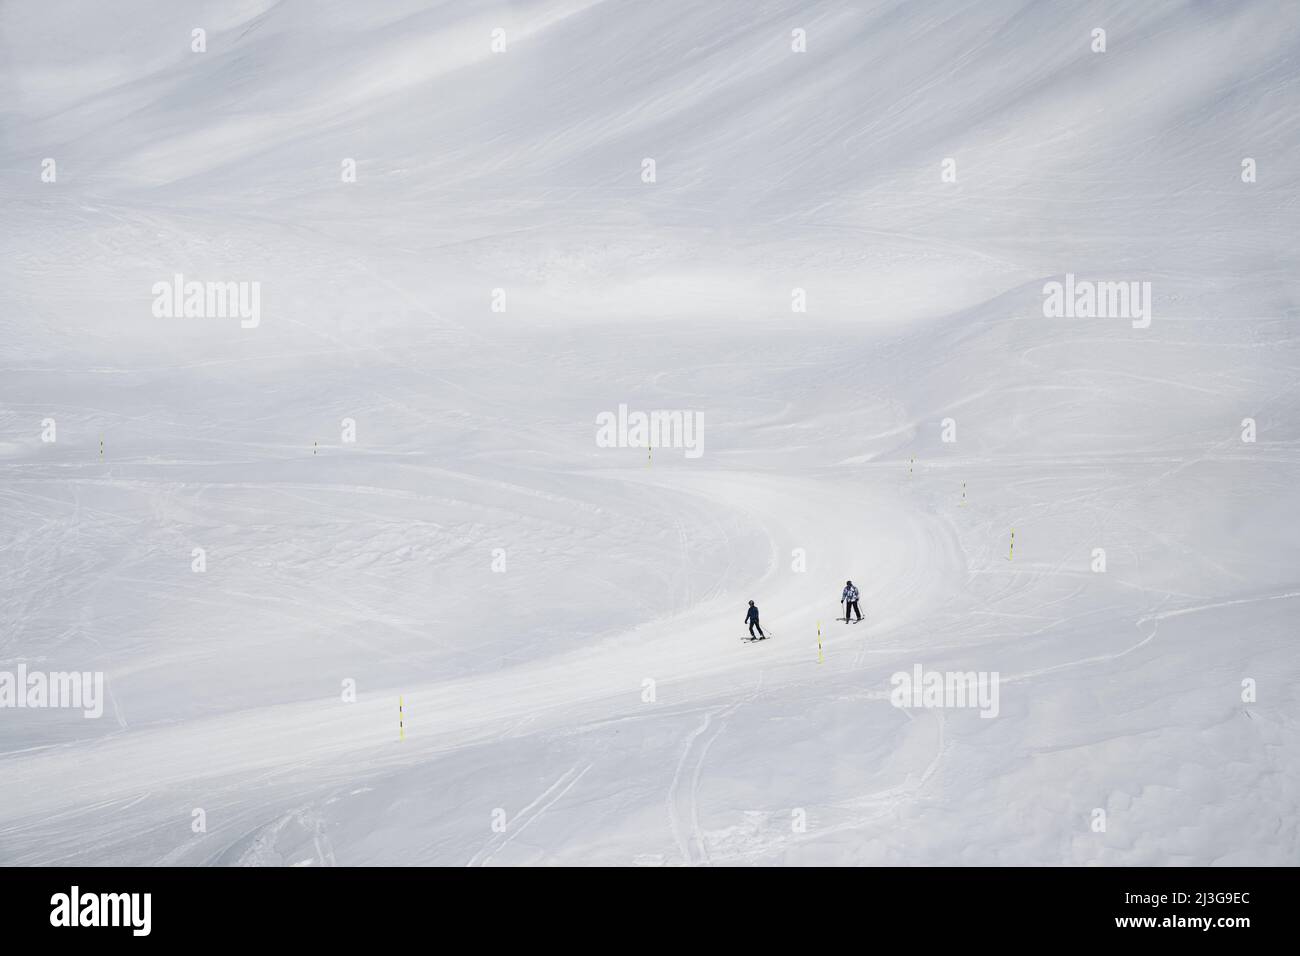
<point>523,690</point>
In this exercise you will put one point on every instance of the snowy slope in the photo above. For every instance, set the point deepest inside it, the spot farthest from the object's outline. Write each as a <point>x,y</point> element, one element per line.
<point>523,689</point>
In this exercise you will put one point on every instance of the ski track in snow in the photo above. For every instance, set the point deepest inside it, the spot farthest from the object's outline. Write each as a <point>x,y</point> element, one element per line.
<point>529,814</point>
<point>695,851</point>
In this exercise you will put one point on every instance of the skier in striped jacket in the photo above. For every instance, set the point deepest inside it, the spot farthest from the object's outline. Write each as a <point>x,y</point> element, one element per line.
<point>850,601</point>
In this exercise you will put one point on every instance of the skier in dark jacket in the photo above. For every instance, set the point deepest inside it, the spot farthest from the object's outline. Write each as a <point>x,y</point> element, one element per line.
<point>751,618</point>
<point>850,601</point>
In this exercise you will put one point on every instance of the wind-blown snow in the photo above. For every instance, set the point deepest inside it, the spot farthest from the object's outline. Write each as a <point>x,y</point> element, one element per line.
<point>523,690</point>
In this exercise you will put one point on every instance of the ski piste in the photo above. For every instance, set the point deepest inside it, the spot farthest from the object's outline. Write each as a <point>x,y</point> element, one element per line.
<point>577,347</point>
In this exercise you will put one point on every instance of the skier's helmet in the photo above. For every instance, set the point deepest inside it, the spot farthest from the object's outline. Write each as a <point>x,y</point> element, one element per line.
<point>751,603</point>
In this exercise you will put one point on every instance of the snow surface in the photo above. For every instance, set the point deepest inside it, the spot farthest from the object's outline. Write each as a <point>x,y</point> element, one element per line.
<point>523,690</point>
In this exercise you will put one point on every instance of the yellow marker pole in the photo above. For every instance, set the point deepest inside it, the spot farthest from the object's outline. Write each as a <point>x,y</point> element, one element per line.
<point>910,463</point>
<point>401,719</point>
<point>820,658</point>
<point>648,450</point>
<point>963,492</point>
<point>1012,552</point>
<point>101,448</point>
<point>313,447</point>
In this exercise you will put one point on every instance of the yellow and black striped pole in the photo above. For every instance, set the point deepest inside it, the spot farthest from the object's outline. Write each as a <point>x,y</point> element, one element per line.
<point>820,658</point>
<point>1012,553</point>
<point>401,718</point>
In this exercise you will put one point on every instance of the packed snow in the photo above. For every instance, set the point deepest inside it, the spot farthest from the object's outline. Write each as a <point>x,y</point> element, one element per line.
<point>559,618</point>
